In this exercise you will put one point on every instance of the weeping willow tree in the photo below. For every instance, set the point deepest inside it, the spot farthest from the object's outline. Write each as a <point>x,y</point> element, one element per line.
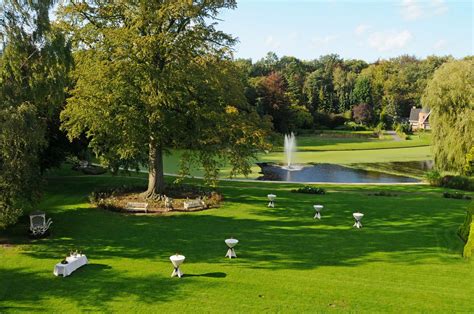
<point>450,95</point>
<point>34,59</point>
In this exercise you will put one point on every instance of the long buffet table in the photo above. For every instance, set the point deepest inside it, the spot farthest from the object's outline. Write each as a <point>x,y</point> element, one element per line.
<point>74,262</point>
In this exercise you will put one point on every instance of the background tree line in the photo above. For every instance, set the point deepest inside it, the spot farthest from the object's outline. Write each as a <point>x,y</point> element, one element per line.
<point>329,91</point>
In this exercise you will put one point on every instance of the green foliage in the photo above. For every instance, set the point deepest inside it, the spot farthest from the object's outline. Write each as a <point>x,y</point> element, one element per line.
<point>450,95</point>
<point>453,182</point>
<point>469,164</point>
<point>308,189</point>
<point>433,177</point>
<point>466,231</point>
<point>301,118</point>
<point>362,91</point>
<point>458,182</point>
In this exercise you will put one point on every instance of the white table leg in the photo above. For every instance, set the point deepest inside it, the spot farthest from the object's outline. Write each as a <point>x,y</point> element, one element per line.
<point>177,272</point>
<point>231,253</point>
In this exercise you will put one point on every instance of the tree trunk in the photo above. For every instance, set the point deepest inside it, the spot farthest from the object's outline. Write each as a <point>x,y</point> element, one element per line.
<point>155,172</point>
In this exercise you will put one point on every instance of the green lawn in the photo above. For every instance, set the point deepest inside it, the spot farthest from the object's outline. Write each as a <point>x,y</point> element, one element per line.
<point>330,142</point>
<point>405,259</point>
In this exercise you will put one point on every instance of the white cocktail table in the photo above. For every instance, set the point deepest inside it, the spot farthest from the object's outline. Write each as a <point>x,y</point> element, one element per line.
<point>177,260</point>
<point>231,243</point>
<point>271,198</point>
<point>318,209</point>
<point>73,263</point>
<point>358,218</point>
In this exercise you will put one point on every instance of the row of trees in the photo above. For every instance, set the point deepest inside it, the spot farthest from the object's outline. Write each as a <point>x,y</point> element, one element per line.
<point>133,80</point>
<point>324,92</point>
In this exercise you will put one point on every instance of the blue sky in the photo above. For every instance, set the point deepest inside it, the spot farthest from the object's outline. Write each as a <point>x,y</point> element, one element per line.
<point>367,30</point>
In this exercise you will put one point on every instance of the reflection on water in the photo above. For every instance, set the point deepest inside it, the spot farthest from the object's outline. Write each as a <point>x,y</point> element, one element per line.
<point>330,173</point>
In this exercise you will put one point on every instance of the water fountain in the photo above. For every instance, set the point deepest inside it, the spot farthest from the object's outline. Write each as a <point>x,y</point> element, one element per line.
<point>290,150</point>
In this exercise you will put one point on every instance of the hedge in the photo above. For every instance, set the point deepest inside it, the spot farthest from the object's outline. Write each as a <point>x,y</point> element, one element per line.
<point>466,231</point>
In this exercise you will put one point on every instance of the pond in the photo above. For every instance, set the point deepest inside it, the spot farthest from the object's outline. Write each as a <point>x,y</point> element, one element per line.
<point>330,173</point>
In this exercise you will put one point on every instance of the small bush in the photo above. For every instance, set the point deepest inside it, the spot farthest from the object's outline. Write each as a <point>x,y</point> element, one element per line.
<point>383,193</point>
<point>307,189</point>
<point>433,177</point>
<point>456,195</point>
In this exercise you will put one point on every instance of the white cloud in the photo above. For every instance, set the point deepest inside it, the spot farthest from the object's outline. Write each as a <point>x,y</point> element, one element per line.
<point>361,29</point>
<point>440,44</point>
<point>411,9</point>
<point>323,41</point>
<point>416,9</point>
<point>389,40</point>
<point>271,42</point>
<point>439,7</point>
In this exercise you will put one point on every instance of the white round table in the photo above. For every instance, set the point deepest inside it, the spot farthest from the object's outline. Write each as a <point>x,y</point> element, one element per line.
<point>358,217</point>
<point>271,198</point>
<point>177,260</point>
<point>318,209</point>
<point>231,243</point>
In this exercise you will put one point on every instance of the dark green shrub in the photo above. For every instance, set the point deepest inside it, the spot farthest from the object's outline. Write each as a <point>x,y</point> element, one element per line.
<point>456,195</point>
<point>458,182</point>
<point>307,189</point>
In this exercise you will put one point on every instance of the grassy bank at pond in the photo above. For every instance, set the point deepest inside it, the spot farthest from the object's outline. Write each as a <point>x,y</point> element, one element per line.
<point>406,258</point>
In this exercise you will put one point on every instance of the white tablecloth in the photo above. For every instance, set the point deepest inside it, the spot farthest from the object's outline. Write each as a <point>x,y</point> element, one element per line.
<point>73,264</point>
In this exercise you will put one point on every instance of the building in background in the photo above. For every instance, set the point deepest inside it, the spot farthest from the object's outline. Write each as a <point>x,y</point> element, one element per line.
<point>419,119</point>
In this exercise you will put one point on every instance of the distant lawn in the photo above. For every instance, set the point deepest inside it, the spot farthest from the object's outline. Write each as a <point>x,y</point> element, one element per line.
<point>407,258</point>
<point>328,142</point>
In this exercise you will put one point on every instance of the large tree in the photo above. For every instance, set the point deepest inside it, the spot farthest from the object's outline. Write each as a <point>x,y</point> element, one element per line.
<point>157,75</point>
<point>33,73</point>
<point>450,95</point>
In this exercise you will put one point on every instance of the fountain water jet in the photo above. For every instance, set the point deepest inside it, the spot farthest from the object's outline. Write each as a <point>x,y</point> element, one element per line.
<point>290,150</point>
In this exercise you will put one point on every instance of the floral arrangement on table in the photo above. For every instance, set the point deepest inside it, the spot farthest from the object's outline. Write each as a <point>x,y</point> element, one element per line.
<point>74,253</point>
